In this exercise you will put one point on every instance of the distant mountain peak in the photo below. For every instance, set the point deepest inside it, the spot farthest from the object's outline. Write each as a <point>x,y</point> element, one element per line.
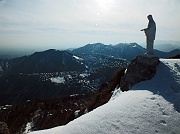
<point>46,61</point>
<point>126,51</point>
<point>122,50</point>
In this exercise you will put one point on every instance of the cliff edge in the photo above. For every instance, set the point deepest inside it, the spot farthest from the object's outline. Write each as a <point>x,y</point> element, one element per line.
<point>142,68</point>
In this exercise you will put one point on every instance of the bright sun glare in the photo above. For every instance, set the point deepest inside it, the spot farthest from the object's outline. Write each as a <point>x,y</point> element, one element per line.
<point>103,9</point>
<point>105,5</point>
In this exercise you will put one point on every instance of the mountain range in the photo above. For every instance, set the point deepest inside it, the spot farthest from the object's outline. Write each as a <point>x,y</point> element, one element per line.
<point>54,73</point>
<point>126,51</point>
<point>81,70</point>
<point>53,85</point>
<point>43,62</point>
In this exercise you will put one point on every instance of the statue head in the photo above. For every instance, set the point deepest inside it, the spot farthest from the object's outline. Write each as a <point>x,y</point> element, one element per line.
<point>150,17</point>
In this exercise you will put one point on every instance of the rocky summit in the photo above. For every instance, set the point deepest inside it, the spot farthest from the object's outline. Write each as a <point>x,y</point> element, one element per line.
<point>143,67</point>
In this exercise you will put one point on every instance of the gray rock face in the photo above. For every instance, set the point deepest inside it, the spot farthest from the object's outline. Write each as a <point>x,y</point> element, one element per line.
<point>141,68</point>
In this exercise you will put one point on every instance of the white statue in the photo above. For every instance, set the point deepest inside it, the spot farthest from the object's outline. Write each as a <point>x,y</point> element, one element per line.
<point>150,33</point>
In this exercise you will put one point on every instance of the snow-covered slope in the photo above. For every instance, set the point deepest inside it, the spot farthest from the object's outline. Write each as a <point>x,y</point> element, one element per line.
<point>166,82</point>
<point>151,107</point>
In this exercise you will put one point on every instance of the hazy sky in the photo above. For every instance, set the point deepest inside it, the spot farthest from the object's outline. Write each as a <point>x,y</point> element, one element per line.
<point>60,24</point>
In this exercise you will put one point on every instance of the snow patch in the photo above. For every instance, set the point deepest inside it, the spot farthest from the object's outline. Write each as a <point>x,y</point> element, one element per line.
<point>69,76</point>
<point>78,58</point>
<point>84,75</point>
<point>76,113</point>
<point>125,71</point>
<point>59,80</point>
<point>73,95</point>
<point>5,107</point>
<point>115,94</point>
<point>28,128</point>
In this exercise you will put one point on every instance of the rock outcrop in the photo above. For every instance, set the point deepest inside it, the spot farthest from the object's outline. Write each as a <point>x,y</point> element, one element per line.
<point>4,128</point>
<point>143,67</point>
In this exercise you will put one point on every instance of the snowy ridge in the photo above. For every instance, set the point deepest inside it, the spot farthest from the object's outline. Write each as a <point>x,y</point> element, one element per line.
<point>166,82</point>
<point>151,107</point>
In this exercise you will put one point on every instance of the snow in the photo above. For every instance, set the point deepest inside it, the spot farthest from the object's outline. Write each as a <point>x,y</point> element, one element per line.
<point>69,76</point>
<point>115,94</point>
<point>5,107</point>
<point>58,80</point>
<point>28,128</point>
<point>166,82</point>
<point>134,45</point>
<point>125,71</point>
<point>76,113</point>
<point>84,75</point>
<point>78,58</point>
<point>150,107</point>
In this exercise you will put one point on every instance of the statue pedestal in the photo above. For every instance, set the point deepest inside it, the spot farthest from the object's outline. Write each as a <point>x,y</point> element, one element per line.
<point>143,67</point>
<point>149,55</point>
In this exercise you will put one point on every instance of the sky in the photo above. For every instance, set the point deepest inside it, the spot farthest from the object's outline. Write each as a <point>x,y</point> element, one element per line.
<point>62,24</point>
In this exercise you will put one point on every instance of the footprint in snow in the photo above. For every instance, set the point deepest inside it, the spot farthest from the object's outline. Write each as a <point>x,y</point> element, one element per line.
<point>177,66</point>
<point>163,122</point>
<point>162,110</point>
<point>153,98</point>
<point>164,113</point>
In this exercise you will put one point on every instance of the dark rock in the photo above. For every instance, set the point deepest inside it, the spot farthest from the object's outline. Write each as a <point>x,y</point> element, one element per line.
<point>4,128</point>
<point>141,68</point>
<point>175,57</point>
<point>1,71</point>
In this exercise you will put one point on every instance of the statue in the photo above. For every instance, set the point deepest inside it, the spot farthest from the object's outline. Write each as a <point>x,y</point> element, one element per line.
<point>150,33</point>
